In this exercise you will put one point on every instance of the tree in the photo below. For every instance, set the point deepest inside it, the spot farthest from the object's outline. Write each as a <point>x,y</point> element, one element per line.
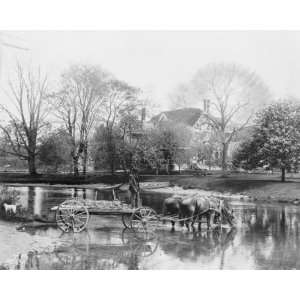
<point>164,145</point>
<point>120,106</point>
<point>276,141</point>
<point>103,148</point>
<point>247,155</point>
<point>28,118</point>
<point>173,140</point>
<point>148,151</point>
<point>77,105</point>
<point>115,146</point>
<point>55,149</point>
<point>131,134</point>
<point>230,93</point>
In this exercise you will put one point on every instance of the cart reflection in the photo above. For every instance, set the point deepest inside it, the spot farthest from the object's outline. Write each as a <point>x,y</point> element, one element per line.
<point>81,253</point>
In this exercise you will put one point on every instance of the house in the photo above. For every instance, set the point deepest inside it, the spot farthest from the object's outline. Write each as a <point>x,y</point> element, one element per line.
<point>199,121</point>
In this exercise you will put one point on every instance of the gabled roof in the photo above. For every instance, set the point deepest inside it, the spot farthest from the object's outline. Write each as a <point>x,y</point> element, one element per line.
<point>190,116</point>
<point>187,116</point>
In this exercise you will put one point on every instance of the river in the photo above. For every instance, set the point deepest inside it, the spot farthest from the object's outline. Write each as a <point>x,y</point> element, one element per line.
<point>266,236</point>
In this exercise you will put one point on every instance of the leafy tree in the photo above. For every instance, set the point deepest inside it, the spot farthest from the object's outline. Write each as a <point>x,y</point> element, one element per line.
<point>55,149</point>
<point>115,146</point>
<point>276,141</point>
<point>163,145</point>
<point>247,156</point>
<point>103,150</point>
<point>130,134</point>
<point>173,140</point>
<point>121,104</point>
<point>148,151</point>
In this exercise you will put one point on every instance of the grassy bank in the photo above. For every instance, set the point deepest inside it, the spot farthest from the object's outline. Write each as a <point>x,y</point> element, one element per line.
<point>257,186</point>
<point>66,179</point>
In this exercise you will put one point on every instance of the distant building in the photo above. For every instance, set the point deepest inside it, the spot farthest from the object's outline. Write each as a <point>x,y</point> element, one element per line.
<point>198,121</point>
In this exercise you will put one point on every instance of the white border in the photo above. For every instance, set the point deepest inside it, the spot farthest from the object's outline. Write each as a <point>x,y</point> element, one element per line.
<point>149,285</point>
<point>149,15</point>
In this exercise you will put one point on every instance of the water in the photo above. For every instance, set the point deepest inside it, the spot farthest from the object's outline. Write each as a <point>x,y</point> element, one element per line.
<point>266,236</point>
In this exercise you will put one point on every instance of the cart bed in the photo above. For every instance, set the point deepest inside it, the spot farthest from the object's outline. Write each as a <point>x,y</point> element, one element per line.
<point>104,207</point>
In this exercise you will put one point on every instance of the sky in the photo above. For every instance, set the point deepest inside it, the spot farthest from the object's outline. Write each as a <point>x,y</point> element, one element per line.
<point>157,61</point>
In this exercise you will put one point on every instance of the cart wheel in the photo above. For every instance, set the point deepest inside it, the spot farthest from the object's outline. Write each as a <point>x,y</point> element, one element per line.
<point>126,220</point>
<point>72,215</point>
<point>141,247</point>
<point>147,248</point>
<point>144,219</point>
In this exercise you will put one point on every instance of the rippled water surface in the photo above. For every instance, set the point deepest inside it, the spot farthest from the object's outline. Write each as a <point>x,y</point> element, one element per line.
<point>266,236</point>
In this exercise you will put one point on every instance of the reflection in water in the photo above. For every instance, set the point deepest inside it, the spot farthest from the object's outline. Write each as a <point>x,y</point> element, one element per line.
<point>266,237</point>
<point>204,244</point>
<point>273,234</point>
<point>81,253</point>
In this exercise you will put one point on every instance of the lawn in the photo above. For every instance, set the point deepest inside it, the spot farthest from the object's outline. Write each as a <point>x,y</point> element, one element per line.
<point>258,186</point>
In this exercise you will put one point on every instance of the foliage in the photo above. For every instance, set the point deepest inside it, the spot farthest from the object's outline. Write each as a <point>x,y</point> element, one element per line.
<point>163,146</point>
<point>276,141</point>
<point>247,155</point>
<point>55,150</point>
<point>114,147</point>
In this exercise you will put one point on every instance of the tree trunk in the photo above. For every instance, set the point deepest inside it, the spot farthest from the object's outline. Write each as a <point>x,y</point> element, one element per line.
<point>282,174</point>
<point>75,166</point>
<point>224,156</point>
<point>112,160</point>
<point>112,167</point>
<point>85,158</point>
<point>31,165</point>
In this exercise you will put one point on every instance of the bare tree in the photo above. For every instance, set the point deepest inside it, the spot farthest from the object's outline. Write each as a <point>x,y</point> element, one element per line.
<point>120,101</point>
<point>78,104</point>
<point>231,95</point>
<point>27,117</point>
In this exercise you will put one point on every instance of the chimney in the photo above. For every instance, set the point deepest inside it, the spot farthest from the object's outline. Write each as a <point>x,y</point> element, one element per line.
<point>206,104</point>
<point>143,114</point>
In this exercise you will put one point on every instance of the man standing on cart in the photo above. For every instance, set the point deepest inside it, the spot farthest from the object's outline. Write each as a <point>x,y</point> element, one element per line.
<point>134,188</point>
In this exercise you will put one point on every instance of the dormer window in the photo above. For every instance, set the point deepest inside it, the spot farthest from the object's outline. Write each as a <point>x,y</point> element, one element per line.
<point>162,117</point>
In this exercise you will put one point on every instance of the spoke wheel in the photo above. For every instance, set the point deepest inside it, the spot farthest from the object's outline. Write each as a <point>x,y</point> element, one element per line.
<point>147,248</point>
<point>144,219</point>
<point>72,215</point>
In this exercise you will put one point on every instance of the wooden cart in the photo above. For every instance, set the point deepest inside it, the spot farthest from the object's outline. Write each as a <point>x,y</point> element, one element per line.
<point>73,215</point>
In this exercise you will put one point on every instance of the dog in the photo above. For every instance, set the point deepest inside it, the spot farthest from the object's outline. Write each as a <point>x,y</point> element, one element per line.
<point>10,209</point>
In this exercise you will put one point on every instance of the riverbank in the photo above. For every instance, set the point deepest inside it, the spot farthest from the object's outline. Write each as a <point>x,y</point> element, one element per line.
<point>62,179</point>
<point>254,187</point>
